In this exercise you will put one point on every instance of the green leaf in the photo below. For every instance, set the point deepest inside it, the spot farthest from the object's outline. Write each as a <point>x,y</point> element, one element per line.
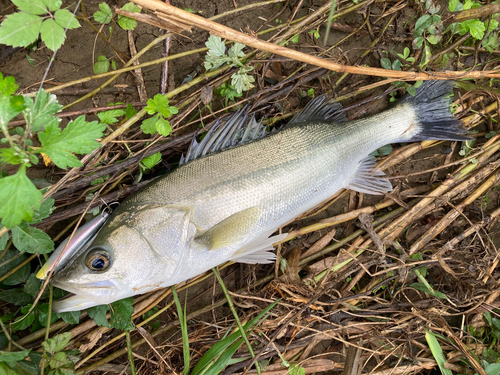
<point>476,29</point>
<point>102,65</point>
<point>130,111</point>
<point>148,126</point>
<point>150,161</point>
<point>417,42</point>
<point>46,208</point>
<point>19,197</point>
<point>121,314</point>
<point>127,23</point>
<point>19,324</point>
<point>10,156</point>
<point>242,81</point>
<point>31,6</point>
<point>70,317</point>
<point>455,5</point>
<point>104,15</point>
<point>32,286</point>
<point>8,85</point>
<point>406,53</point>
<point>410,89</point>
<point>433,39</point>
<point>491,42</point>
<point>422,23</point>
<point>53,5</point>
<point>159,104</point>
<point>66,19</point>
<point>295,38</point>
<point>57,343</point>
<point>3,240</point>
<point>216,46</point>
<point>237,50</point>
<point>426,56</point>
<point>492,369</point>
<point>98,314</point>
<point>20,29</point>
<point>40,113</point>
<point>163,127</point>
<point>437,352</point>
<point>422,287</point>
<point>78,137</point>
<point>13,356</point>
<point>110,117</point>
<point>31,240</point>
<point>16,296</point>
<point>386,63</point>
<point>491,26</point>
<point>396,65</point>
<point>52,34</point>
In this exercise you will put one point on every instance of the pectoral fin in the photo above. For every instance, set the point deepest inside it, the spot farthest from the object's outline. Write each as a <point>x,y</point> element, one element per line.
<point>368,179</point>
<point>230,230</point>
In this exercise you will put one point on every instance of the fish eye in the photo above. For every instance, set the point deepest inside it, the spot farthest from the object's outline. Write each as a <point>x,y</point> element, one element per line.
<point>98,260</point>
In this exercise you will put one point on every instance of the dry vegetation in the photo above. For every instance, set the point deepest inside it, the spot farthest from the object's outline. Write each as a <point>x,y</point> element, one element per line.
<point>362,284</point>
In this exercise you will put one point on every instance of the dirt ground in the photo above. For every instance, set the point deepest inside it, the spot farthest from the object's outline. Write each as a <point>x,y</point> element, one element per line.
<point>208,319</point>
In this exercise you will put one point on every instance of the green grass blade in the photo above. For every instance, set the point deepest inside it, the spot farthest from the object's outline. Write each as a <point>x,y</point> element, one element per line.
<point>185,336</point>
<point>437,352</point>
<point>330,18</point>
<point>214,353</point>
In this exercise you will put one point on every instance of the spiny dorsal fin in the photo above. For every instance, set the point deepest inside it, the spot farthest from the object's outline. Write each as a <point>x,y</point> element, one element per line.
<point>320,109</point>
<point>368,179</point>
<point>238,129</point>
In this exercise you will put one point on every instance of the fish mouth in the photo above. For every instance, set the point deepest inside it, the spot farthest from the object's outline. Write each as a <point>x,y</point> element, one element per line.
<point>83,296</point>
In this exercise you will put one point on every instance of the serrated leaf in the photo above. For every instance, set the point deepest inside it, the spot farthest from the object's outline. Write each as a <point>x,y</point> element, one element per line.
<point>53,5</point>
<point>163,126</point>
<point>242,81</point>
<point>43,314</point>
<point>8,85</point>
<point>52,34</point>
<point>236,50</point>
<point>40,112</point>
<point>148,126</point>
<point>32,286</point>
<point>13,356</point>
<point>58,361</point>
<point>127,23</point>
<point>31,240</point>
<point>57,343</point>
<point>10,156</point>
<point>98,314</point>
<point>216,46</point>
<point>31,6</point>
<point>110,117</point>
<point>20,29</point>
<point>78,137</point>
<point>477,29</point>
<point>104,15</point>
<point>15,296</point>
<point>70,317</point>
<point>66,19</point>
<point>150,161</point>
<point>121,314</point>
<point>46,208</point>
<point>19,197</point>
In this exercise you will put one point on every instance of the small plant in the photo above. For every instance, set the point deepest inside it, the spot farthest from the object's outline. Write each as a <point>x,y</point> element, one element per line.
<point>216,57</point>
<point>20,198</point>
<point>37,18</point>
<point>105,15</point>
<point>476,27</point>
<point>159,107</point>
<point>103,63</point>
<point>228,92</point>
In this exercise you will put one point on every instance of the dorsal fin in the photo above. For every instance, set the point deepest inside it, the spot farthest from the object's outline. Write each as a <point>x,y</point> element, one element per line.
<point>320,109</point>
<point>238,129</point>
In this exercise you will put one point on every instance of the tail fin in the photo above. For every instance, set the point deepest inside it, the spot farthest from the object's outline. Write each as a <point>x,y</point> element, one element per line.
<point>432,108</point>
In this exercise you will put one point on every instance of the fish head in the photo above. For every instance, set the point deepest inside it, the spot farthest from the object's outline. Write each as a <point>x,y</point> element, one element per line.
<point>138,250</point>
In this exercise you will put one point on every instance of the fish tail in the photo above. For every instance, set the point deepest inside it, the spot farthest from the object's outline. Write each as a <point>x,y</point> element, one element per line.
<point>434,120</point>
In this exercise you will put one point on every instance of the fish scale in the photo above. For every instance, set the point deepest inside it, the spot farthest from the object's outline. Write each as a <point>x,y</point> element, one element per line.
<point>225,205</point>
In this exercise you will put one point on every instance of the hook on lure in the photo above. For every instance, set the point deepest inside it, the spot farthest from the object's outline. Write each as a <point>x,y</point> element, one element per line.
<point>65,251</point>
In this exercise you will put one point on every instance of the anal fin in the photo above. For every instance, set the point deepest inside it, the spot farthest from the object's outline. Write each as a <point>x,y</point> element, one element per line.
<point>257,251</point>
<point>368,179</point>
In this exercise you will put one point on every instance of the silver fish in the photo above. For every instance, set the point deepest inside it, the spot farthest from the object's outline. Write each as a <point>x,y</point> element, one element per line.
<point>237,187</point>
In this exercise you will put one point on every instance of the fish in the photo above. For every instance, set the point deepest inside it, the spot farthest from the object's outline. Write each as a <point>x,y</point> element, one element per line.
<point>237,186</point>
